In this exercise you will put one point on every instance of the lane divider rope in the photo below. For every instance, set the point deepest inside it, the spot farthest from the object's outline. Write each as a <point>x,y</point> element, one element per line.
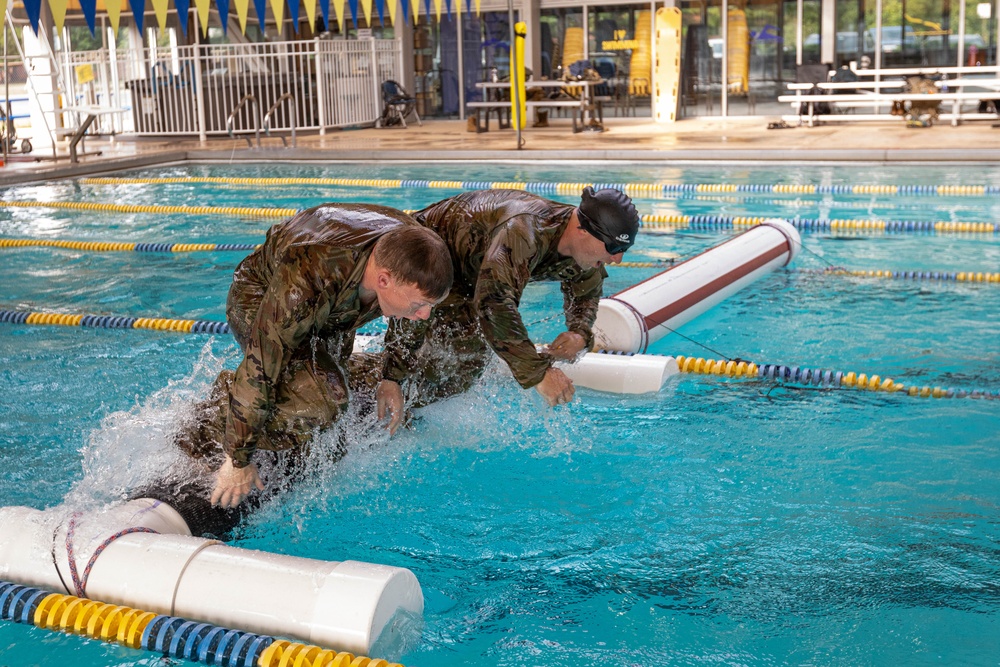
<point>170,636</point>
<point>687,364</point>
<point>110,246</point>
<point>541,187</point>
<point>821,378</point>
<point>98,246</point>
<point>648,221</point>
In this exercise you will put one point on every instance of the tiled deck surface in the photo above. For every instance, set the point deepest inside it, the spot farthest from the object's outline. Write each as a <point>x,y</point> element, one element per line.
<point>626,139</point>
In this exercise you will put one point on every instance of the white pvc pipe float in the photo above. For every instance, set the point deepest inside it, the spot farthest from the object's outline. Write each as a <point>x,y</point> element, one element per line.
<point>620,373</point>
<point>634,318</point>
<point>342,605</point>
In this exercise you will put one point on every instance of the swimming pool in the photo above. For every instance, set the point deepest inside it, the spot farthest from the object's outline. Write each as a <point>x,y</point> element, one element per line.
<point>720,521</point>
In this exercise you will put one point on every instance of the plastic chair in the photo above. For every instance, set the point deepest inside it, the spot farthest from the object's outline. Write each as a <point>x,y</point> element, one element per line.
<point>397,105</point>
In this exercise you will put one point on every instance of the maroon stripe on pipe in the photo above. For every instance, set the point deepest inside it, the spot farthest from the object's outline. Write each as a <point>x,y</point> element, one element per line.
<point>677,307</point>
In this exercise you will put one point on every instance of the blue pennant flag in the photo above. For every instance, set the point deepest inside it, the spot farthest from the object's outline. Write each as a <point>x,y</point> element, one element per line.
<point>380,6</point>
<point>324,9</point>
<point>89,8</point>
<point>137,12</point>
<point>261,7</point>
<point>354,10</point>
<point>405,4</point>
<point>34,9</point>
<point>447,8</point>
<point>427,7</point>
<point>223,14</point>
<point>182,14</point>
<point>468,6</point>
<point>293,14</point>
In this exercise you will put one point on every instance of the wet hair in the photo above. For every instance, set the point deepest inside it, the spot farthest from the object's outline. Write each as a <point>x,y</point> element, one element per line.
<point>416,256</point>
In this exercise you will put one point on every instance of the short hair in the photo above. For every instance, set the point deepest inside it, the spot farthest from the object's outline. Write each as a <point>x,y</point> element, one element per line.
<point>416,256</point>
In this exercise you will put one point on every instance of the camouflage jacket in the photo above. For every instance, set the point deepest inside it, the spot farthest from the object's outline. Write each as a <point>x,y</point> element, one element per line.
<point>500,240</point>
<point>299,289</point>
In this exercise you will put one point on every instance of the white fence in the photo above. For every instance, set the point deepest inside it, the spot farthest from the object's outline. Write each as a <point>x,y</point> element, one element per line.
<point>187,90</point>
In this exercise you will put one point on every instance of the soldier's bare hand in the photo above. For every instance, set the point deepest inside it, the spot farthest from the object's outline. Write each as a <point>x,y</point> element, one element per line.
<point>233,484</point>
<point>567,346</point>
<point>389,400</point>
<point>556,387</point>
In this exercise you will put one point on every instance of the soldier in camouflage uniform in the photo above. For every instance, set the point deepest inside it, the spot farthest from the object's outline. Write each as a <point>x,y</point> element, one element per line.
<point>500,240</point>
<point>293,307</point>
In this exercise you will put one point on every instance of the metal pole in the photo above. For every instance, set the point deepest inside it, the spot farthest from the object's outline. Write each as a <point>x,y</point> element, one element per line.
<point>6,95</point>
<point>516,103</point>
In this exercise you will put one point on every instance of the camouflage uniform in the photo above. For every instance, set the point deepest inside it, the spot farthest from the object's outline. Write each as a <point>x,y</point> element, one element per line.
<point>500,240</point>
<point>293,307</point>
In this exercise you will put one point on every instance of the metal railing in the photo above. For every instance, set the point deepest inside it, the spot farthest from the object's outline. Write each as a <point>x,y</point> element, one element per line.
<point>287,97</point>
<point>187,90</point>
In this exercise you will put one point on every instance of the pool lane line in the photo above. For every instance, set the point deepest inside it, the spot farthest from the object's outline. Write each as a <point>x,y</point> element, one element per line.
<point>260,212</point>
<point>113,322</point>
<point>793,374</point>
<point>647,221</point>
<point>110,246</point>
<point>821,378</point>
<point>170,636</point>
<point>542,187</point>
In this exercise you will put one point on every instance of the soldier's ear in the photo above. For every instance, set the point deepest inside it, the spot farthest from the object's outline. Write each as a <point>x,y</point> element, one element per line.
<point>383,279</point>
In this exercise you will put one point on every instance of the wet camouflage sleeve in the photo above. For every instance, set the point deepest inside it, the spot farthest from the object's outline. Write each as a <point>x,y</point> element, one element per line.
<point>296,303</point>
<point>581,298</point>
<point>505,272</point>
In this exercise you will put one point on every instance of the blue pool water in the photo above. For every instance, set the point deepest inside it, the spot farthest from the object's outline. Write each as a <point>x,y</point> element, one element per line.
<point>721,521</point>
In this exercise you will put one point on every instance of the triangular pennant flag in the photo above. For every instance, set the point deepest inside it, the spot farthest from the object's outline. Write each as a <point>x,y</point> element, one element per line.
<point>58,8</point>
<point>405,6</point>
<point>391,6</point>
<point>427,7</point>
<point>33,8</point>
<point>88,7</point>
<point>415,5</point>
<point>477,8</point>
<point>138,8</point>
<point>203,8</point>
<point>160,9</point>
<point>366,8</point>
<point>293,14</point>
<point>447,8</point>
<point>261,7</point>
<point>353,4</point>
<point>278,9</point>
<point>468,6</point>
<point>183,7</point>
<point>338,10</point>
<point>114,9</point>
<point>380,6</point>
<point>437,9</point>
<point>324,8</point>
<point>242,10</point>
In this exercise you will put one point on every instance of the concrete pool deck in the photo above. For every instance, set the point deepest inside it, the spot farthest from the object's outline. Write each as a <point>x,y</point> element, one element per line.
<point>743,139</point>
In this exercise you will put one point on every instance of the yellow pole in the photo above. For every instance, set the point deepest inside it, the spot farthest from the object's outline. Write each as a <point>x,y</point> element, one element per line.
<point>518,105</point>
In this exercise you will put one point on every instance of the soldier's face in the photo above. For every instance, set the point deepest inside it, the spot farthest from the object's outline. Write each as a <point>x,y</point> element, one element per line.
<point>591,253</point>
<point>398,299</point>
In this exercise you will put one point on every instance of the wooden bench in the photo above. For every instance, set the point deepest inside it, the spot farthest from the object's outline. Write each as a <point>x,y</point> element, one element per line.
<point>483,110</point>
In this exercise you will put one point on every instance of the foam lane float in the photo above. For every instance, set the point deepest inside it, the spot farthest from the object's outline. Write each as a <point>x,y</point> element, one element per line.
<point>141,554</point>
<point>629,321</point>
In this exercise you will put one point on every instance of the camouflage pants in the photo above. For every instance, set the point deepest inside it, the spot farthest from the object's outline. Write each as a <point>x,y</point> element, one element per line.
<point>452,357</point>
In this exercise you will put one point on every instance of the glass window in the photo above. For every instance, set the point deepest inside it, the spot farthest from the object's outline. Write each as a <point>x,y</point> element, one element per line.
<point>562,40</point>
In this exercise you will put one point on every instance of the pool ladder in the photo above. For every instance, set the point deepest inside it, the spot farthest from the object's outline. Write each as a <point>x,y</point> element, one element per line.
<point>249,97</point>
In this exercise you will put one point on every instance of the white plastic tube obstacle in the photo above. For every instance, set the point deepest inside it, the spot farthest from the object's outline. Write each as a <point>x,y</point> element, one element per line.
<point>620,373</point>
<point>642,314</point>
<point>345,605</point>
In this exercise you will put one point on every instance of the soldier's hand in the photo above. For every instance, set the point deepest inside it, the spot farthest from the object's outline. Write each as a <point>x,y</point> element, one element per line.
<point>233,484</point>
<point>556,387</point>
<point>389,400</point>
<point>567,346</point>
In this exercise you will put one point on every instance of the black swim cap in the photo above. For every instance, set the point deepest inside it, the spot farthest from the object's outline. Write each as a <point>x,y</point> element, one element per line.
<point>609,215</point>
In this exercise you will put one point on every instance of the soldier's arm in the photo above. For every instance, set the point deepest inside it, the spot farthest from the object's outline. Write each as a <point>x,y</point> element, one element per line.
<point>581,297</point>
<point>288,312</point>
<point>505,271</point>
